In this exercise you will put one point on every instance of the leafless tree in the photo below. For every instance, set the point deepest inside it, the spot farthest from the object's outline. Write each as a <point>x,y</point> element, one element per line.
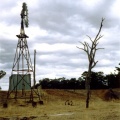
<point>90,50</point>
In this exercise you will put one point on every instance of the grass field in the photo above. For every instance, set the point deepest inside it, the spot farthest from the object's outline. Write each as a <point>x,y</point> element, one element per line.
<point>54,108</point>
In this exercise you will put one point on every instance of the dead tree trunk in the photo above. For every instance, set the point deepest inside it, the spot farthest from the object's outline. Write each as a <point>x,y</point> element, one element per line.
<point>87,86</point>
<point>91,52</point>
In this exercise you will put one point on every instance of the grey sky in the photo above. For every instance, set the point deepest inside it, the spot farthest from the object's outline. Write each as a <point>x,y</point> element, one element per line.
<point>55,29</point>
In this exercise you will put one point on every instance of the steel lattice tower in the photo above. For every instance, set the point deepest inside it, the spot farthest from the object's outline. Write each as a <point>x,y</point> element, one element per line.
<point>22,65</point>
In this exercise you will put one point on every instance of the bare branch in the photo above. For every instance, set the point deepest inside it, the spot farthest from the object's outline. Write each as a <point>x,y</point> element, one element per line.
<point>97,43</point>
<point>99,37</point>
<point>94,64</point>
<point>101,25</point>
<point>100,48</point>
<point>89,58</point>
<point>81,43</point>
<point>81,48</point>
<point>91,50</point>
<point>90,38</point>
<point>88,46</point>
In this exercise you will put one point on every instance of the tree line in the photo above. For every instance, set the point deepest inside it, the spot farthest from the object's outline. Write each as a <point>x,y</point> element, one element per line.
<point>98,81</point>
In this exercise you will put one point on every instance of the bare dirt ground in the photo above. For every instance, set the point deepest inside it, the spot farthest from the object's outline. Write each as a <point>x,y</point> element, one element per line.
<point>54,108</point>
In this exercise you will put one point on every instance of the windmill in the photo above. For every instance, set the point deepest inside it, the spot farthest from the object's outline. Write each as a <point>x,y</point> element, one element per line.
<point>22,69</point>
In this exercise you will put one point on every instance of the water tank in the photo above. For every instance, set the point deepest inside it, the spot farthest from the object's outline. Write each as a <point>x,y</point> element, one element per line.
<point>19,82</point>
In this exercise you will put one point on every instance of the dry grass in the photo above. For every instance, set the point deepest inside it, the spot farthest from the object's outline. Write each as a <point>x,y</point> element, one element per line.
<point>54,107</point>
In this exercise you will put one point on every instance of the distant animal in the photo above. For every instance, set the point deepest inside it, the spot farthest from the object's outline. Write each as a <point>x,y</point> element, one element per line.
<point>68,102</point>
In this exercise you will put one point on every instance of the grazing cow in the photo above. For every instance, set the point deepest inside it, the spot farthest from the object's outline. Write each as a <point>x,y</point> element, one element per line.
<point>68,102</point>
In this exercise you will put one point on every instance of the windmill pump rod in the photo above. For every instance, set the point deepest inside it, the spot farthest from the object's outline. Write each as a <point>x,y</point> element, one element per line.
<point>34,66</point>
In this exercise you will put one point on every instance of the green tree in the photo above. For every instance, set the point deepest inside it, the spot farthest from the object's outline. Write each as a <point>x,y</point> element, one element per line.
<point>114,79</point>
<point>118,76</point>
<point>97,80</point>
<point>111,80</point>
<point>44,83</point>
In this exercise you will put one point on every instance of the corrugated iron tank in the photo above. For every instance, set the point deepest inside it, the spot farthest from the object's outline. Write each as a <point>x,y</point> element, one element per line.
<point>20,82</point>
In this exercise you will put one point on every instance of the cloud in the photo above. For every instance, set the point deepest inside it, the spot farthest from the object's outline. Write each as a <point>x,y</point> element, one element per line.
<point>55,29</point>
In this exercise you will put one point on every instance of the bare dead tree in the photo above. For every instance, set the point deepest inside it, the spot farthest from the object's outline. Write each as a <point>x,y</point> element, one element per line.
<point>91,52</point>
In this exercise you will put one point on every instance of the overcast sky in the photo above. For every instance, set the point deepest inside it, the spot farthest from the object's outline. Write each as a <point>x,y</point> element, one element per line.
<point>55,29</point>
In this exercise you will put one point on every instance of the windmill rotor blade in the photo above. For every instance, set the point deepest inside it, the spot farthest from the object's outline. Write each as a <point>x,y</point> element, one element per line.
<point>24,14</point>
